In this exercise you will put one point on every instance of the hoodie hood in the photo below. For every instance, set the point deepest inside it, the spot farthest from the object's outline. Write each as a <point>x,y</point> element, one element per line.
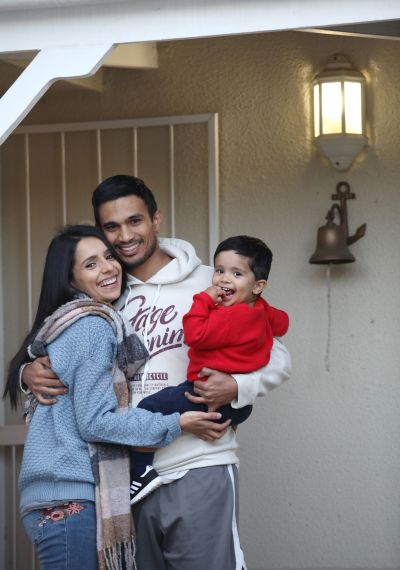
<point>184,262</point>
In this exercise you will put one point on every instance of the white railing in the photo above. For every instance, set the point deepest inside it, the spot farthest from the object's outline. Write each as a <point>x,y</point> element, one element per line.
<point>211,120</point>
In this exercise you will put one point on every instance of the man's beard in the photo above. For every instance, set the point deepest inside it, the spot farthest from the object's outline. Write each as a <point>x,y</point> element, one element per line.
<point>140,260</point>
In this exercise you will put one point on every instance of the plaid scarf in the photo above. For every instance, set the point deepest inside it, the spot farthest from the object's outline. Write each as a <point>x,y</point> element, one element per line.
<point>110,463</point>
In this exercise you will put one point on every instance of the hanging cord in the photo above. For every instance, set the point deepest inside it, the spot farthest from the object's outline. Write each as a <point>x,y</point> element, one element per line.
<point>329,302</point>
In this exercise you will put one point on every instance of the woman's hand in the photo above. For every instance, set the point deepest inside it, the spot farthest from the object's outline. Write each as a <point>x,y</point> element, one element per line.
<point>202,425</point>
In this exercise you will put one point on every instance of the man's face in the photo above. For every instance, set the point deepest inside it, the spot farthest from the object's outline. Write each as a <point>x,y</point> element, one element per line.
<point>126,223</point>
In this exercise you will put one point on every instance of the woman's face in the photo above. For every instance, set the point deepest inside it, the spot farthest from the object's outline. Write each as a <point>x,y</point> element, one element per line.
<point>96,272</point>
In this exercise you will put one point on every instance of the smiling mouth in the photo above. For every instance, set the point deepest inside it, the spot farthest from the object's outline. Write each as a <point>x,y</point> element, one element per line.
<point>128,250</point>
<point>227,292</point>
<point>108,283</point>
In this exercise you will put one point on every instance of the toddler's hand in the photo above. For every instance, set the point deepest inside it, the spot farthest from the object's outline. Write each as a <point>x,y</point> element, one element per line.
<point>215,293</point>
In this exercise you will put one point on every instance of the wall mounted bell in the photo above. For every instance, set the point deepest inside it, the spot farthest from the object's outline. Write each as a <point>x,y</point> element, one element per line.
<point>331,244</point>
<point>333,239</point>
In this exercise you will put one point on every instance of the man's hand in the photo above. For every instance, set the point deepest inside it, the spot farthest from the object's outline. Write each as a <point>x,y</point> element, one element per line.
<point>218,390</point>
<point>42,381</point>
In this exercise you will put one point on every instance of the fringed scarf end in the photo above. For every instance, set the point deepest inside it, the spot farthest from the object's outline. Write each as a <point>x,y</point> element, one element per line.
<point>119,556</point>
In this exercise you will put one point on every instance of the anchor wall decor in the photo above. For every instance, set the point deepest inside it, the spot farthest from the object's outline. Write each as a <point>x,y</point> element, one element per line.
<point>333,239</point>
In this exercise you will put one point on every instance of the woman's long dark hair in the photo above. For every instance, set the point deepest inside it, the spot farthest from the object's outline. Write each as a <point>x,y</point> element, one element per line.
<point>56,291</point>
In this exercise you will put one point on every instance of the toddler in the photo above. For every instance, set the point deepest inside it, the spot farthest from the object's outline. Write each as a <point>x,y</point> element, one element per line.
<point>229,328</point>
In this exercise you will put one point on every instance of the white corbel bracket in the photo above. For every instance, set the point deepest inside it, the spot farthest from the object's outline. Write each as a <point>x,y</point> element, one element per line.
<point>50,64</point>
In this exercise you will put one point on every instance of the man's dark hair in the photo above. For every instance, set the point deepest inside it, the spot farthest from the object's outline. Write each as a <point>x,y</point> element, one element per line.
<point>257,252</point>
<point>119,186</point>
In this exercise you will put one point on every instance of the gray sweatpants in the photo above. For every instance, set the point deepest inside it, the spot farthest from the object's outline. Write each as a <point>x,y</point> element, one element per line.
<point>191,523</point>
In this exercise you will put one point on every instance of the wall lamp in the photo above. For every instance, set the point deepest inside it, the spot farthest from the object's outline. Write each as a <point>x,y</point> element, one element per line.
<point>339,112</point>
<point>333,239</point>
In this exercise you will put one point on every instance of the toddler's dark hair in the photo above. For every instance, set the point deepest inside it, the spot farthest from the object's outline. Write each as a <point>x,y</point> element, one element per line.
<point>257,252</point>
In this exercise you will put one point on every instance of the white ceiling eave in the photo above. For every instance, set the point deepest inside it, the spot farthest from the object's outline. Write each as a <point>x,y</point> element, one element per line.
<point>65,25</point>
<point>119,21</point>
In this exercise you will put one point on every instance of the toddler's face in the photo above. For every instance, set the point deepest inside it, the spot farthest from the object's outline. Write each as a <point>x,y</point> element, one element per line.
<point>238,283</point>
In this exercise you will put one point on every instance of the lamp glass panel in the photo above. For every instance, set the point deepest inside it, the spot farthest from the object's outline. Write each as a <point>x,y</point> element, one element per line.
<point>353,107</point>
<point>331,107</point>
<point>316,110</point>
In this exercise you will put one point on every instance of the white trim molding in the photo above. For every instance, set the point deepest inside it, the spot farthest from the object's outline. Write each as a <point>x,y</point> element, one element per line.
<point>50,64</point>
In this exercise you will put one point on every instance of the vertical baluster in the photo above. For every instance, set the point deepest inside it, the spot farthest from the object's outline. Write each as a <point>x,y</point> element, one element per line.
<point>63,179</point>
<point>213,185</point>
<point>172,177</point>
<point>28,228</point>
<point>99,161</point>
<point>135,152</point>
<point>13,508</point>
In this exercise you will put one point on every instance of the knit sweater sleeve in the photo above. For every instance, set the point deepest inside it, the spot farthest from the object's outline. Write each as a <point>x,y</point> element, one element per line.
<point>84,359</point>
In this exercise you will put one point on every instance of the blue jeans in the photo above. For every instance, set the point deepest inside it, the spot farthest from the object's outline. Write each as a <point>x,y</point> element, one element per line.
<point>65,544</point>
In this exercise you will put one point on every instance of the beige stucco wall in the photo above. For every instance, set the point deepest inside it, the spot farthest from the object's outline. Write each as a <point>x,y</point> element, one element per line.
<point>320,456</point>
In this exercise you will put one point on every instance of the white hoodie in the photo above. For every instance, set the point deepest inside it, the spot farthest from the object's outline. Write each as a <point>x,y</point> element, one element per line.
<point>155,310</point>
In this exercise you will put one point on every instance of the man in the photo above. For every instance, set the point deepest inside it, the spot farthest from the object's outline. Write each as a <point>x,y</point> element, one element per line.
<point>189,522</point>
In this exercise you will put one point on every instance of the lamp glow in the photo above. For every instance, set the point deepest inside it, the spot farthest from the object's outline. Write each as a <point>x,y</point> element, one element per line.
<point>339,112</point>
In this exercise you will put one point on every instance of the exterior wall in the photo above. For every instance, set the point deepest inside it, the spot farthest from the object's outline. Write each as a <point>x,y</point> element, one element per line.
<point>319,459</point>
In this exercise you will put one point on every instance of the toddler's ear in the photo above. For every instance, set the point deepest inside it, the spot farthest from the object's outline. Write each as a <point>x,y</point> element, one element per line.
<point>259,286</point>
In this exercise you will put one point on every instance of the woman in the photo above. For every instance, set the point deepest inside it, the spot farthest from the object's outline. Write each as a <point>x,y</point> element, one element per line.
<point>68,476</point>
